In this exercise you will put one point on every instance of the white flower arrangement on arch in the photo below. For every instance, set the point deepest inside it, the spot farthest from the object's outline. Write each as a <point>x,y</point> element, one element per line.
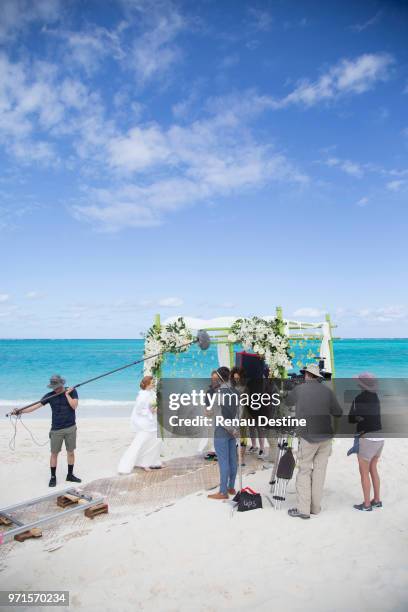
<point>266,339</point>
<point>174,337</point>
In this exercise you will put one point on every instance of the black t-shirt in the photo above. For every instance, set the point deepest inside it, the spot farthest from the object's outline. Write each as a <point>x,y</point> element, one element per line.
<point>62,413</point>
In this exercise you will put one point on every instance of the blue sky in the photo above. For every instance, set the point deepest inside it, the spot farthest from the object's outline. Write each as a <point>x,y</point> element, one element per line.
<point>205,158</point>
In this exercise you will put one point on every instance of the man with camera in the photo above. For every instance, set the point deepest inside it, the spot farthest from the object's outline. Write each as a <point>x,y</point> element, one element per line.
<point>316,403</point>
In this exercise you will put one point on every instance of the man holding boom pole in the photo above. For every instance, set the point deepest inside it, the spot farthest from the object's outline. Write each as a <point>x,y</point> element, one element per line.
<point>63,402</point>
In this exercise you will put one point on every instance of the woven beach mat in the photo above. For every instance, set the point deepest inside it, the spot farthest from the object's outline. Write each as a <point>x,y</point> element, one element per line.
<point>139,493</point>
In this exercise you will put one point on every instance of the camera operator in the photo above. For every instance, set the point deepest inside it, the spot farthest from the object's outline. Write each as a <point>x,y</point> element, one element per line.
<point>316,403</point>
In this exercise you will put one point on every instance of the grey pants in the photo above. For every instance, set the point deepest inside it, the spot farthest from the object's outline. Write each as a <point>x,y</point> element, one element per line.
<point>312,465</point>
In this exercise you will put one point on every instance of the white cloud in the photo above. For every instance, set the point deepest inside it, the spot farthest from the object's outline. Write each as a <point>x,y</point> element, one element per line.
<point>132,205</point>
<point>398,172</point>
<point>387,314</point>
<point>170,302</point>
<point>186,105</point>
<point>360,27</point>
<point>155,51</point>
<point>4,297</point>
<point>155,27</point>
<point>308,312</point>
<point>363,201</point>
<point>396,185</point>
<point>352,168</point>
<point>35,101</point>
<point>349,76</point>
<point>260,19</point>
<point>87,48</point>
<point>28,152</point>
<point>34,295</point>
<point>9,312</point>
<point>165,170</point>
<point>360,169</point>
<point>139,149</point>
<point>15,15</point>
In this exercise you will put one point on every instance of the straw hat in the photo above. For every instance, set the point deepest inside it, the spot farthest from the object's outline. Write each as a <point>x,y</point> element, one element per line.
<point>313,369</point>
<point>367,381</point>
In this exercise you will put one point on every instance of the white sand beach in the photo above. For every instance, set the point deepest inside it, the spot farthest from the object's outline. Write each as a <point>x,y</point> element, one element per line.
<point>196,554</point>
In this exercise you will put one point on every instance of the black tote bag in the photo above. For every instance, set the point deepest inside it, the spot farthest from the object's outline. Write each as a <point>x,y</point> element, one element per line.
<point>247,499</point>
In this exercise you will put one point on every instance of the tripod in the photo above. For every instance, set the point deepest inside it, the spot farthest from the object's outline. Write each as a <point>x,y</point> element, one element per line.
<point>282,470</point>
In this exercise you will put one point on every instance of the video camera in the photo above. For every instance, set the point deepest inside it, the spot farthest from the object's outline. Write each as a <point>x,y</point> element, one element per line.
<point>298,378</point>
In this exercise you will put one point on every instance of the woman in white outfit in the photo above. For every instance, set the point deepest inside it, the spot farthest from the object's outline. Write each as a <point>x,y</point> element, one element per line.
<point>144,451</point>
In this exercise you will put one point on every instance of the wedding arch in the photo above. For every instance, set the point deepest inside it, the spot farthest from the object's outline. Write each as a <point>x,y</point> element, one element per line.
<point>284,344</point>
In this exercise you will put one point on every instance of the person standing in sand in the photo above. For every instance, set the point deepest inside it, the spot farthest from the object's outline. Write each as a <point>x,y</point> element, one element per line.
<point>365,411</point>
<point>206,445</point>
<point>144,451</point>
<point>225,444</point>
<point>238,382</point>
<point>317,404</point>
<point>63,426</point>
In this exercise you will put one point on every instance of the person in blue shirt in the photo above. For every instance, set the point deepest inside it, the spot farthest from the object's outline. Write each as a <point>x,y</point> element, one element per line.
<point>63,402</point>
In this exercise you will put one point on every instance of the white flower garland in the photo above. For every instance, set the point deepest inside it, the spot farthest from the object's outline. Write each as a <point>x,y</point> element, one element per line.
<point>171,337</point>
<point>264,338</point>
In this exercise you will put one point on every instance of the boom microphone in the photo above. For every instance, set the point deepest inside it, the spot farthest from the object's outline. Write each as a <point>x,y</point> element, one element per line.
<point>202,339</point>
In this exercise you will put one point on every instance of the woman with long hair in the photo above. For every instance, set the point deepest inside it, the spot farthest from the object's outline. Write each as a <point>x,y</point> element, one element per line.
<point>144,450</point>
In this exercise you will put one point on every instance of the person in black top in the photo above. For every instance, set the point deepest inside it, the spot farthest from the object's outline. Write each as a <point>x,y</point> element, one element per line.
<point>366,413</point>
<point>63,425</point>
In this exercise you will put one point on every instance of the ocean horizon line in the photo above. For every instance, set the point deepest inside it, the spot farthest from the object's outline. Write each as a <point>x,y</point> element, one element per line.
<point>142,338</point>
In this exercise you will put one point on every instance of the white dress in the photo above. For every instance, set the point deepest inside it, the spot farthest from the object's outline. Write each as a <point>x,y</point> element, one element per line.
<point>144,451</point>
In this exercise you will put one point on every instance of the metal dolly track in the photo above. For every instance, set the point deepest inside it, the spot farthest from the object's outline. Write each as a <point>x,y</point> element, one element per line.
<point>7,512</point>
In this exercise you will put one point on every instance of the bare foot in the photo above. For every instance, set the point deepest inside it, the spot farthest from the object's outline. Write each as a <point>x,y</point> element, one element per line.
<point>147,469</point>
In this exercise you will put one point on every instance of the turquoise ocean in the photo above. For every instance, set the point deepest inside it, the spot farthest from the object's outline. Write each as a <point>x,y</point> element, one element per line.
<point>25,367</point>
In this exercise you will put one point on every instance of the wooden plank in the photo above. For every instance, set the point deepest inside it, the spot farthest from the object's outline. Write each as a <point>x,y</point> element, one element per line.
<point>64,501</point>
<point>95,510</point>
<point>35,532</point>
<point>76,499</point>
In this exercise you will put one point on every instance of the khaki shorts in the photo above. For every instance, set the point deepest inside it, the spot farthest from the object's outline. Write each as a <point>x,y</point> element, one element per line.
<point>67,435</point>
<point>368,449</point>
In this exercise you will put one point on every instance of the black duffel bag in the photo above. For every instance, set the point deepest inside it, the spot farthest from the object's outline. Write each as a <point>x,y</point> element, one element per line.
<point>247,499</point>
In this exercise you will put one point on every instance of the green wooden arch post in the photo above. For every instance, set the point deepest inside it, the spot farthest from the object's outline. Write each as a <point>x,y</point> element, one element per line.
<point>279,318</point>
<point>157,324</point>
<point>328,319</point>
<point>281,329</point>
<point>158,374</point>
